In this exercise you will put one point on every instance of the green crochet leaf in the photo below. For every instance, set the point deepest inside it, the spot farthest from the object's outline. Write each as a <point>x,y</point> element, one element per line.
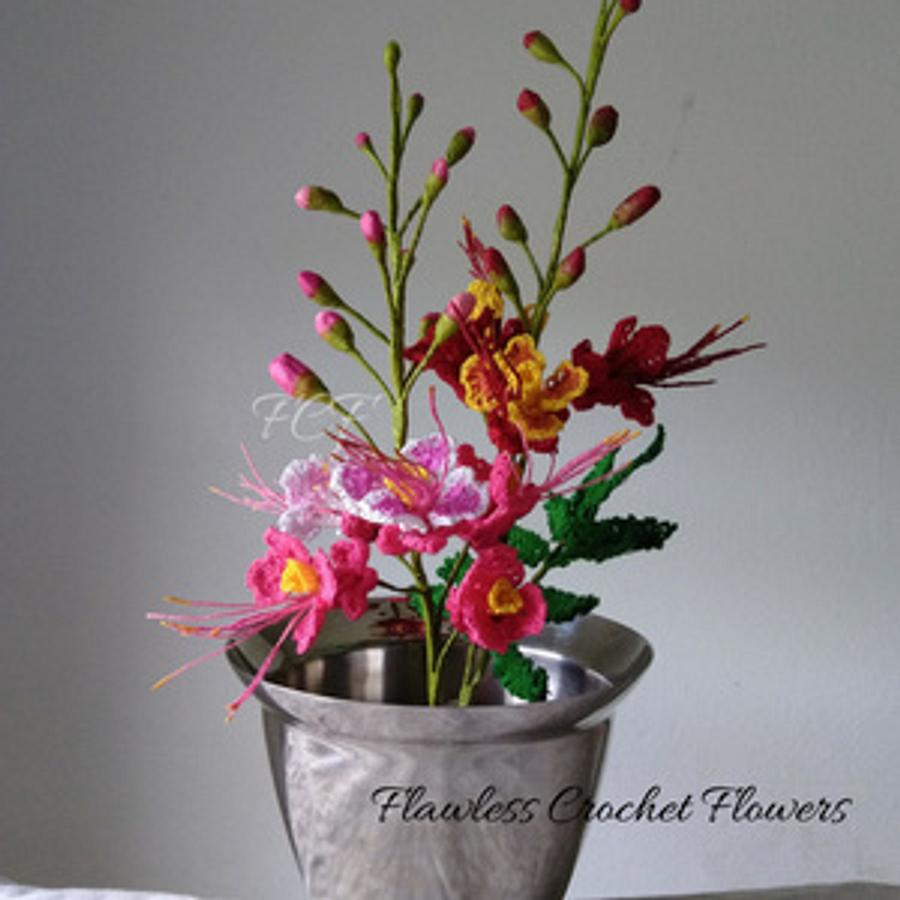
<point>530,546</point>
<point>563,606</point>
<point>571,519</point>
<point>445,569</point>
<point>560,518</point>
<point>608,538</point>
<point>586,501</point>
<point>519,675</point>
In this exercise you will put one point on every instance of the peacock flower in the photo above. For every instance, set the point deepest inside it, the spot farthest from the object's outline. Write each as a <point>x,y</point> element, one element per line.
<point>483,319</point>
<point>523,407</point>
<point>637,358</point>
<point>289,585</point>
<point>419,497</point>
<point>513,494</point>
<point>492,606</point>
<point>487,297</point>
<point>309,504</point>
<point>304,505</point>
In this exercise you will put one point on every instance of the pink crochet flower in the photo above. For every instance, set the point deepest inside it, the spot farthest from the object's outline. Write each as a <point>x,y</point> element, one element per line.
<point>513,495</point>
<point>304,505</point>
<point>289,585</point>
<point>419,498</point>
<point>491,606</point>
<point>290,579</point>
<point>309,502</point>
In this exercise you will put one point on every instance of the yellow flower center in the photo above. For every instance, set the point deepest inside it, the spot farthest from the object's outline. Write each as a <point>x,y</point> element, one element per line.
<point>299,578</point>
<point>406,493</point>
<point>503,599</point>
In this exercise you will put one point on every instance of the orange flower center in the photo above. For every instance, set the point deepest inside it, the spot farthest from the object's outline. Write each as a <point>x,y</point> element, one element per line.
<point>503,599</point>
<point>299,578</point>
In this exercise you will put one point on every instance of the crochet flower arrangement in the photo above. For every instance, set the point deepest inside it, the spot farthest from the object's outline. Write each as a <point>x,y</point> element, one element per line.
<point>448,514</point>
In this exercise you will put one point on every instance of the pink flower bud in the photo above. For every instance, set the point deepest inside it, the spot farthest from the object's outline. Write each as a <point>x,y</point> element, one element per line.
<point>629,6</point>
<point>541,47</point>
<point>498,272</point>
<point>460,144</point>
<point>635,206</point>
<point>437,178</point>
<point>602,126</point>
<point>371,228</point>
<point>570,269</point>
<point>314,197</point>
<point>334,330</point>
<point>318,289</point>
<point>534,109</point>
<point>363,141</point>
<point>510,225</point>
<point>296,379</point>
<point>460,307</point>
<point>440,170</point>
<point>456,312</point>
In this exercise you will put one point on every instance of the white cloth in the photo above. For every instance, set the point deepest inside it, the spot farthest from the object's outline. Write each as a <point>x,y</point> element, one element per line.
<point>12,891</point>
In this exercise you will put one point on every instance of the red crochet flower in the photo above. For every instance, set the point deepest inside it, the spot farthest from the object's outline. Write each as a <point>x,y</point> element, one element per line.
<point>639,356</point>
<point>491,606</point>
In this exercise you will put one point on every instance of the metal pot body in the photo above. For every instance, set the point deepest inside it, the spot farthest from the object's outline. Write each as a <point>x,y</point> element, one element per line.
<point>384,798</point>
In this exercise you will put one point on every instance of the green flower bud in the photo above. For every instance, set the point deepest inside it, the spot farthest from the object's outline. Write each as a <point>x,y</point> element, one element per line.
<point>391,56</point>
<point>541,47</point>
<point>460,144</point>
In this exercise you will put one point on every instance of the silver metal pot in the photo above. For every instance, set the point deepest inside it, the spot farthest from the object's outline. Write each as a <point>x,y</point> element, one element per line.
<point>386,798</point>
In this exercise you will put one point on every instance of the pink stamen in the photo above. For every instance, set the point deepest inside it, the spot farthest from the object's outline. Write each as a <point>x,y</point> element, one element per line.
<point>232,609</point>
<point>584,461</point>
<point>271,501</point>
<point>235,705</point>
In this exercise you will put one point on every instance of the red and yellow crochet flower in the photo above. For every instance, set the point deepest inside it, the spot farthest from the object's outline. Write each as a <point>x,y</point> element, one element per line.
<point>494,367</point>
<point>507,384</point>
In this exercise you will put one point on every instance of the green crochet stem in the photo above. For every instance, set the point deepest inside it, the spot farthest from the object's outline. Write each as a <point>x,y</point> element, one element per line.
<point>608,18</point>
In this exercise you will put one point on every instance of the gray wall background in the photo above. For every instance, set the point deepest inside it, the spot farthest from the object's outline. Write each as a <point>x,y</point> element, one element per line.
<point>149,153</point>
